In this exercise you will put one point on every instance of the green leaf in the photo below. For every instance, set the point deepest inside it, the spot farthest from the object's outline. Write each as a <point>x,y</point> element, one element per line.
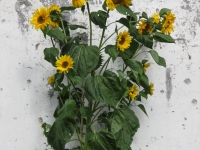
<point>164,11</point>
<point>160,37</point>
<point>85,59</point>
<point>67,109</point>
<point>117,122</point>
<point>99,18</point>
<point>86,112</point>
<point>99,89</point>
<point>124,21</point>
<point>76,80</point>
<point>104,6</point>
<point>159,60</point>
<point>135,65</point>
<point>142,108</point>
<point>67,8</point>
<point>121,74</point>
<point>99,141</point>
<point>45,31</point>
<point>143,94</point>
<point>144,61</point>
<point>57,34</point>
<point>144,82</point>
<point>61,133</point>
<point>83,8</point>
<point>112,51</point>
<point>144,15</point>
<point>125,10</point>
<point>74,27</point>
<point>125,135</point>
<point>50,55</point>
<point>146,40</point>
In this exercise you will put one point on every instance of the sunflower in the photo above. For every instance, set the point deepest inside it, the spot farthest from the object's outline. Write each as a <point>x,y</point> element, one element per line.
<point>156,18</point>
<point>64,63</point>
<point>144,27</point>
<point>123,40</point>
<point>133,92</point>
<point>78,3</point>
<point>146,66</point>
<point>151,88</point>
<point>112,4</point>
<point>168,26</point>
<point>40,18</point>
<point>55,13</point>
<point>51,79</point>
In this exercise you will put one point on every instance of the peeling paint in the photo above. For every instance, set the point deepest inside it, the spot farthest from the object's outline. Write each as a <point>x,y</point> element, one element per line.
<point>187,81</point>
<point>22,7</point>
<point>168,82</point>
<point>194,101</point>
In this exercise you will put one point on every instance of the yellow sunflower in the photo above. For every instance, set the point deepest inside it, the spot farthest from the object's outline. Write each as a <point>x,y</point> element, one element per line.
<point>146,66</point>
<point>55,14</point>
<point>78,3</point>
<point>51,79</point>
<point>64,63</point>
<point>168,26</point>
<point>123,40</point>
<point>40,18</point>
<point>133,92</point>
<point>156,18</point>
<point>169,17</point>
<point>144,27</point>
<point>151,88</point>
<point>112,4</point>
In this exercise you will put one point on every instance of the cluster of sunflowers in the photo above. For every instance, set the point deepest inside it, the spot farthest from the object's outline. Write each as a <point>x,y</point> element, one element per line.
<point>88,77</point>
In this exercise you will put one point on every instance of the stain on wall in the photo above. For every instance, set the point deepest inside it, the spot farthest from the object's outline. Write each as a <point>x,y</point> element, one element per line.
<point>168,82</point>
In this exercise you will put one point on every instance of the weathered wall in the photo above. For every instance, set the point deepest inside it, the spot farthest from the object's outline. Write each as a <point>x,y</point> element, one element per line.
<point>26,100</point>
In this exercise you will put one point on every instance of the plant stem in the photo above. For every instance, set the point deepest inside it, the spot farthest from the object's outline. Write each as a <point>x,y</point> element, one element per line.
<point>80,139</point>
<point>61,20</point>
<point>90,22</point>
<point>52,42</point>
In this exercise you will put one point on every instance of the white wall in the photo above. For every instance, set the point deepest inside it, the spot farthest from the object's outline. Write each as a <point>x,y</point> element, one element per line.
<point>174,109</point>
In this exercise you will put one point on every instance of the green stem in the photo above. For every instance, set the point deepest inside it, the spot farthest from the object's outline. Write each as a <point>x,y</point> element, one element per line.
<point>97,114</point>
<point>80,140</point>
<point>104,64</point>
<point>140,53</point>
<point>90,22</point>
<point>61,20</point>
<point>69,88</point>
<point>52,42</point>
<point>60,98</point>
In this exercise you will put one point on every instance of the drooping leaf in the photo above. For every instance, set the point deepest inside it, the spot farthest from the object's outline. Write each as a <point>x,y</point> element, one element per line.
<point>74,27</point>
<point>143,94</point>
<point>142,108</point>
<point>146,40</point>
<point>50,55</point>
<point>61,132</point>
<point>76,80</point>
<point>120,74</point>
<point>112,51</point>
<point>125,10</point>
<point>160,37</point>
<point>124,21</point>
<point>163,11</point>
<point>159,60</point>
<point>67,8</point>
<point>85,59</point>
<point>144,15</point>
<point>135,65</point>
<point>99,89</point>
<point>57,34</point>
<point>86,112</point>
<point>99,18</point>
<point>144,82</point>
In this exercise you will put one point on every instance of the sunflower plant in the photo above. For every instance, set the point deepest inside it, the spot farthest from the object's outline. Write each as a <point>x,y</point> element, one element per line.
<point>94,101</point>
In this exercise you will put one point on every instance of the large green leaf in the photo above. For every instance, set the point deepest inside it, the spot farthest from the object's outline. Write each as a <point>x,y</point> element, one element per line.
<point>142,108</point>
<point>144,82</point>
<point>159,60</point>
<point>146,40</point>
<point>124,21</point>
<point>135,65</point>
<point>99,88</point>
<point>86,112</point>
<point>57,34</point>
<point>112,51</point>
<point>125,10</point>
<point>61,133</point>
<point>67,109</point>
<point>50,55</point>
<point>101,141</point>
<point>67,8</point>
<point>125,135</point>
<point>99,18</point>
<point>85,59</point>
<point>160,37</point>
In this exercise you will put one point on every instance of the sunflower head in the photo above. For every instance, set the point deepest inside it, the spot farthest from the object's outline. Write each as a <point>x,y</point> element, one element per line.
<point>78,3</point>
<point>133,91</point>
<point>123,40</point>
<point>144,27</point>
<point>51,79</point>
<point>40,18</point>
<point>151,88</point>
<point>146,66</point>
<point>112,4</point>
<point>55,13</point>
<point>168,26</point>
<point>156,18</point>
<point>64,63</point>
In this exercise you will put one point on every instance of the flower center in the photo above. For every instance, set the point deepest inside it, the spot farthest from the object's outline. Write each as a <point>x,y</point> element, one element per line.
<point>121,42</point>
<point>64,64</point>
<point>117,1</point>
<point>41,20</point>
